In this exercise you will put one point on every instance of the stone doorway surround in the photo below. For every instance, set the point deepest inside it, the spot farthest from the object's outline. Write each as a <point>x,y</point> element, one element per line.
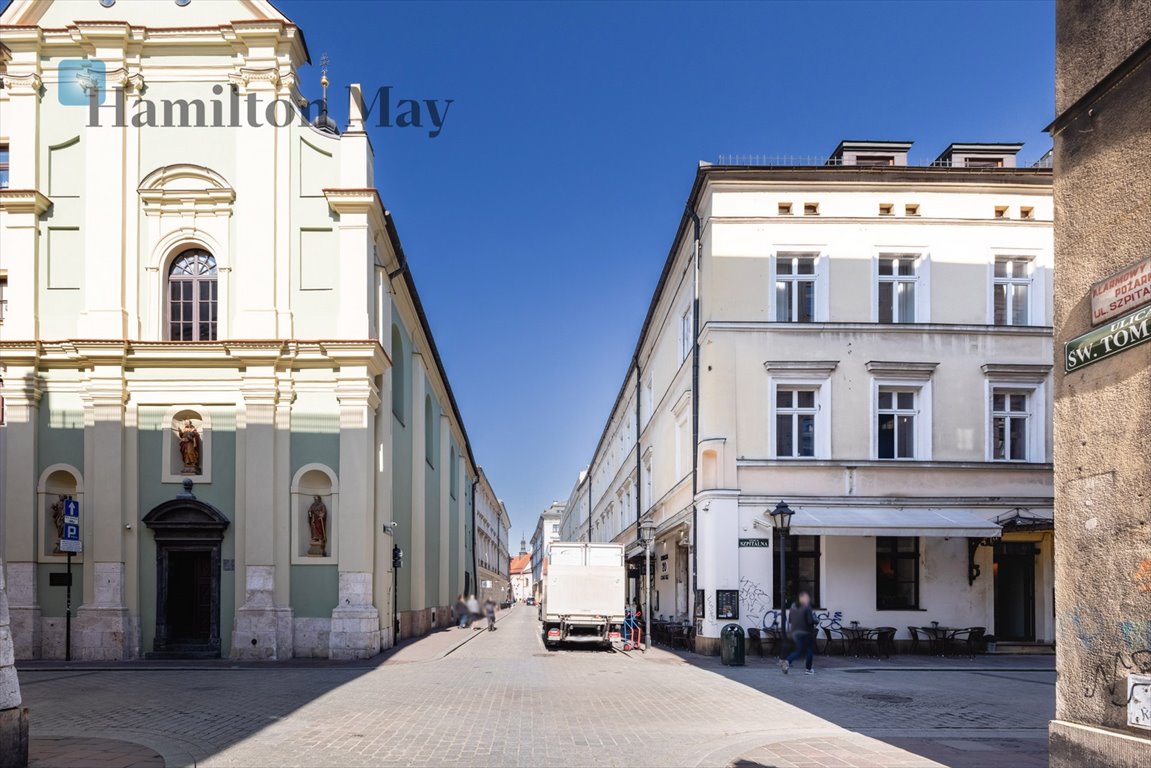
<point>186,524</point>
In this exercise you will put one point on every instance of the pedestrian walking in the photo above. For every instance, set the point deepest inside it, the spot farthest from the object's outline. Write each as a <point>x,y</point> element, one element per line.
<point>802,624</point>
<point>490,612</point>
<point>461,611</point>
<point>473,607</point>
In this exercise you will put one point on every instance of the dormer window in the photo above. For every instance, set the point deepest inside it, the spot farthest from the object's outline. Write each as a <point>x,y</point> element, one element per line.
<point>983,162</point>
<point>875,160</point>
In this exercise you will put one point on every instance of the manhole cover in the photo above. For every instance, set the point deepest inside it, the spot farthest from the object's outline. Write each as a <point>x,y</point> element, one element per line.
<point>887,698</point>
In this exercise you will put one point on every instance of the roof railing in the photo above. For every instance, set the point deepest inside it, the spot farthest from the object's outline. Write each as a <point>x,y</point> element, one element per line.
<point>809,161</point>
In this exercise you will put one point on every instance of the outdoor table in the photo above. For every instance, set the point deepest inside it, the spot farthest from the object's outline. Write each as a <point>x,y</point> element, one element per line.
<point>855,637</point>
<point>940,636</point>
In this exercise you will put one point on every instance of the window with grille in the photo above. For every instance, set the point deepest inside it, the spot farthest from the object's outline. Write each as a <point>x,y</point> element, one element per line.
<point>192,297</point>
<point>896,290</point>
<point>1009,415</point>
<point>895,427</point>
<point>794,288</point>
<point>1011,292</point>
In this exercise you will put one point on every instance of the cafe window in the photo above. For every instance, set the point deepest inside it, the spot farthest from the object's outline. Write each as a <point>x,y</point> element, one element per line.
<point>794,288</point>
<point>896,573</point>
<point>802,568</point>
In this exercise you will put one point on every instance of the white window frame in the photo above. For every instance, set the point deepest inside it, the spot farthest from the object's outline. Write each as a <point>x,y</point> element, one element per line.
<point>921,278</point>
<point>686,332</point>
<point>813,375</point>
<point>1026,414</point>
<point>895,410</point>
<point>1037,273</point>
<point>1029,379</point>
<point>916,378</point>
<point>820,312</point>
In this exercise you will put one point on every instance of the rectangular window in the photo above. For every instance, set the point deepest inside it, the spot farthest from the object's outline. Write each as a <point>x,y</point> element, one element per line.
<point>896,573</point>
<point>5,157</point>
<point>895,425</point>
<point>896,289</point>
<point>686,331</point>
<point>1011,291</point>
<point>794,288</point>
<point>811,209</point>
<point>983,162</point>
<point>785,209</point>
<point>1009,416</point>
<point>875,160</point>
<point>795,411</point>
<point>1001,211</point>
<point>911,209</point>
<point>886,209</point>
<point>3,297</point>
<point>1026,212</point>
<point>802,568</point>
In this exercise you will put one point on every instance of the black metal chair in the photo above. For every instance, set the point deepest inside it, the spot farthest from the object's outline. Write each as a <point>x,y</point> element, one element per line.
<point>832,637</point>
<point>971,640</point>
<point>755,640</point>
<point>914,633</point>
<point>884,641</point>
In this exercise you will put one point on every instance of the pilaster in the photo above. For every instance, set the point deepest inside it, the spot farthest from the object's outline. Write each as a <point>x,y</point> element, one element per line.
<point>258,630</point>
<point>20,211</point>
<point>101,631</point>
<point>22,391</point>
<point>444,599</point>
<point>355,632</point>
<point>414,560</point>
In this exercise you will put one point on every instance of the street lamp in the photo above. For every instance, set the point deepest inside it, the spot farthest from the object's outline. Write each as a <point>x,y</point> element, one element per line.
<point>781,521</point>
<point>647,532</point>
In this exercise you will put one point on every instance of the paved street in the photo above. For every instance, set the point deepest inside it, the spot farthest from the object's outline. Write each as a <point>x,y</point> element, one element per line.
<point>501,699</point>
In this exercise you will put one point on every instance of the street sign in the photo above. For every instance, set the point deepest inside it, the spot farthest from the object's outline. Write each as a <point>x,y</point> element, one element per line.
<point>1121,292</point>
<point>1100,343</point>
<point>70,542</point>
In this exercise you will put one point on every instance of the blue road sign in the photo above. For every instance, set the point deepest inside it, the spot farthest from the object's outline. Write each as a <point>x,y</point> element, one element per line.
<point>71,531</point>
<point>71,508</point>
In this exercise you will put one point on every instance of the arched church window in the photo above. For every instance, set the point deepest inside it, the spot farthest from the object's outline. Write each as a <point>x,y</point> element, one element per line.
<point>192,296</point>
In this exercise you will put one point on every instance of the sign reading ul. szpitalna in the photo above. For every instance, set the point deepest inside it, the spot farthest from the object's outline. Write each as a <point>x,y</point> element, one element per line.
<point>1107,340</point>
<point>1122,292</point>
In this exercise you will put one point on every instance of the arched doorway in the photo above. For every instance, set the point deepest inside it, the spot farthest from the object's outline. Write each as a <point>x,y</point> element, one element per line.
<point>188,534</point>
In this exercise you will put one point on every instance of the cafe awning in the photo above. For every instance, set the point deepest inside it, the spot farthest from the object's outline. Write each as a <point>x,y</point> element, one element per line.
<point>892,522</point>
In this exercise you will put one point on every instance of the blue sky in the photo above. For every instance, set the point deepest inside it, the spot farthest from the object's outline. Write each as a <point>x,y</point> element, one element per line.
<point>537,222</point>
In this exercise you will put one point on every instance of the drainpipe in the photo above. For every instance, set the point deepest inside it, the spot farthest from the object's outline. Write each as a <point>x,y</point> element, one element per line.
<point>694,403</point>
<point>638,444</point>
<point>475,567</point>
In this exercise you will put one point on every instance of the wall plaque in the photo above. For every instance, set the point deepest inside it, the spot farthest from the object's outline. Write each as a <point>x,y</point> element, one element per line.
<point>1105,341</point>
<point>1121,292</point>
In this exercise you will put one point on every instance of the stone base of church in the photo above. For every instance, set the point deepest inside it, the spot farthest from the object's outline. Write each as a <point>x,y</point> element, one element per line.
<point>355,628</point>
<point>14,737</point>
<point>102,633</point>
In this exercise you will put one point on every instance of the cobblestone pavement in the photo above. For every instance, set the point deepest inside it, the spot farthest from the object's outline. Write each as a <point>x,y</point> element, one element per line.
<point>502,699</point>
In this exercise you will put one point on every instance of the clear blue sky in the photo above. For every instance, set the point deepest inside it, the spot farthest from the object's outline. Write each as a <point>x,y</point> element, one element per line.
<point>538,221</point>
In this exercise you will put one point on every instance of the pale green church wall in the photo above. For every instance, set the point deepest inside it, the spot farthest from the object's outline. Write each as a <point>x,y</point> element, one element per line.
<point>430,560</point>
<point>60,431</point>
<point>402,465</point>
<point>315,590</point>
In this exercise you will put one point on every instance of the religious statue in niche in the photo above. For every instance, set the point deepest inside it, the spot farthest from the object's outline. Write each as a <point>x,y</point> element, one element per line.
<point>318,523</point>
<point>58,522</point>
<point>191,447</point>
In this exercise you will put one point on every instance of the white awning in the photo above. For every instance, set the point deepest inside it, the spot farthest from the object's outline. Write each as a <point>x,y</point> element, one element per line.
<point>892,522</point>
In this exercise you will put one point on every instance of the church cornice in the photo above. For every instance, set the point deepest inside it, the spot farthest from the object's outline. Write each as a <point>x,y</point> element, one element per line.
<point>24,201</point>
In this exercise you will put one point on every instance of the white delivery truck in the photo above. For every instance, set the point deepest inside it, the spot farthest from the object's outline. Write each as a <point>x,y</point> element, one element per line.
<point>583,593</point>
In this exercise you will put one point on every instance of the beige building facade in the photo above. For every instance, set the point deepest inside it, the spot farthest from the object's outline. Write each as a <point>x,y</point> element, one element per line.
<point>492,562</point>
<point>214,348</point>
<point>868,340</point>
<point>1102,388</point>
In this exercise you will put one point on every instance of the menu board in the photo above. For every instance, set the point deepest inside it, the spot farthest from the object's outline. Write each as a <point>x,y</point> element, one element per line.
<point>727,604</point>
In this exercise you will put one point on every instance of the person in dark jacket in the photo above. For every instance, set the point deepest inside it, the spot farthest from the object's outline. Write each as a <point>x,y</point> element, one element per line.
<point>802,624</point>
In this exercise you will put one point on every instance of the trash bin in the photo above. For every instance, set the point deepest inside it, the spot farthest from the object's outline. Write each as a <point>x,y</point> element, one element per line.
<point>731,646</point>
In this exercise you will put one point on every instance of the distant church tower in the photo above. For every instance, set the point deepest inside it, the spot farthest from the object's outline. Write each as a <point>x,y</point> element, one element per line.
<point>523,545</point>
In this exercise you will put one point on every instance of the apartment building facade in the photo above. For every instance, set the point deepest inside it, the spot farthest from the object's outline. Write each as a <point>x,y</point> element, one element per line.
<point>869,341</point>
<point>547,530</point>
<point>492,562</point>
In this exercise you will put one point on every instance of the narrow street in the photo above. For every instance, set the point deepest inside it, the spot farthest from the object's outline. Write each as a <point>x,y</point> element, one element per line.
<point>501,699</point>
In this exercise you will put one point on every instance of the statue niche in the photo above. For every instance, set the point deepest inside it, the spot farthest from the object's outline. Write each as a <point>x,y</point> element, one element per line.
<point>191,447</point>
<point>188,447</point>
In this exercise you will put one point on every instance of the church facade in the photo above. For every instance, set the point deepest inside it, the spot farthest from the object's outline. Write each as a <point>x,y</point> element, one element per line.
<point>213,350</point>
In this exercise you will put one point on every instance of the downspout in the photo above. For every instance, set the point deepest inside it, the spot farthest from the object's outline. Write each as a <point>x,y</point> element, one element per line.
<point>694,403</point>
<point>475,566</point>
<point>638,445</point>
